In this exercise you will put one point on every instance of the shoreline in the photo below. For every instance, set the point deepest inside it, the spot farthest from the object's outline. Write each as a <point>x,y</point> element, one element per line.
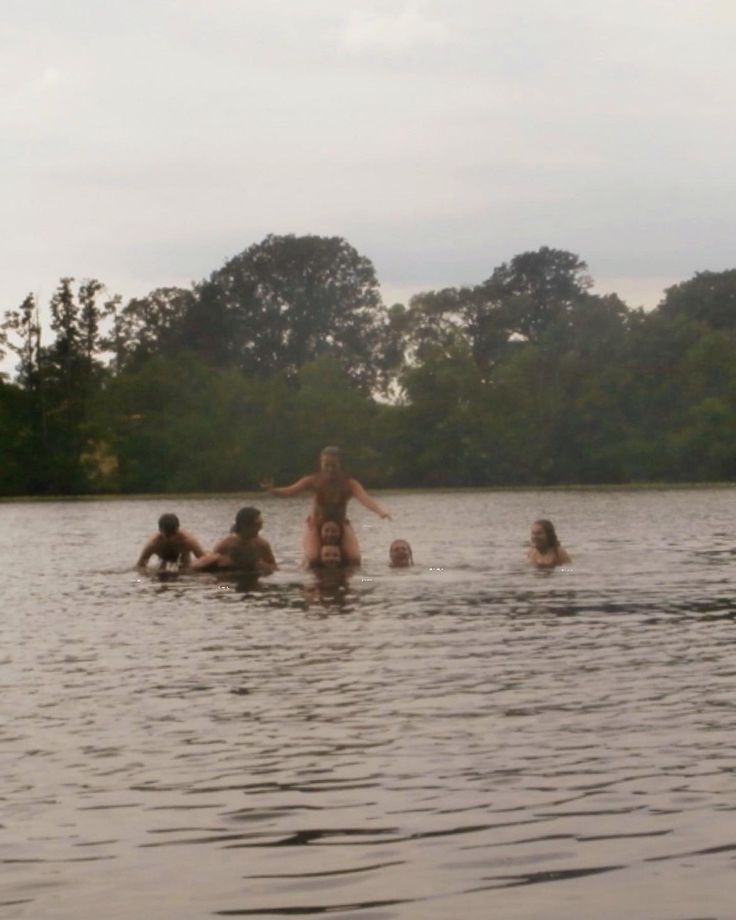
<point>202,496</point>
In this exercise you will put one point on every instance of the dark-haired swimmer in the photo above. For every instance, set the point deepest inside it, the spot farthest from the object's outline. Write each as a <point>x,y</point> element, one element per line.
<point>242,549</point>
<point>400,555</point>
<point>171,544</point>
<point>333,489</point>
<point>546,550</point>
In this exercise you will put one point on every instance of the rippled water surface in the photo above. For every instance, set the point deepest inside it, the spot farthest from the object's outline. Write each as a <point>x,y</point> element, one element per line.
<point>468,739</point>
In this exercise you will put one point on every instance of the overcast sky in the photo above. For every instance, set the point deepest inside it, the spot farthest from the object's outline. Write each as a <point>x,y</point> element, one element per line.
<point>145,142</point>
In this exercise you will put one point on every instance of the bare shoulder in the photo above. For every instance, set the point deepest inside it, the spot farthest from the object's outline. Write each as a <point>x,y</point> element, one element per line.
<point>226,544</point>
<point>264,550</point>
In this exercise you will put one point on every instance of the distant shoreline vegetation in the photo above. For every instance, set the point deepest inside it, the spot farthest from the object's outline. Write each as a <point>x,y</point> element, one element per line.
<point>525,380</point>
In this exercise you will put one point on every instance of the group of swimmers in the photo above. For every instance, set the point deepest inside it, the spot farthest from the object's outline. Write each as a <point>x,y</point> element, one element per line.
<point>329,540</point>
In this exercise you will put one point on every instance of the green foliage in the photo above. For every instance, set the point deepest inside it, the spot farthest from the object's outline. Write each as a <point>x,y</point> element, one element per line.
<point>708,298</point>
<point>59,381</point>
<point>527,378</point>
<point>287,301</point>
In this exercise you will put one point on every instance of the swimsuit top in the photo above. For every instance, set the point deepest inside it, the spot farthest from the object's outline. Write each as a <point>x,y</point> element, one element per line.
<point>331,498</point>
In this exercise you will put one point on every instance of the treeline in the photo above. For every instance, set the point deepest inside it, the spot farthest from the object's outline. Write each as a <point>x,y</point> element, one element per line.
<point>527,378</point>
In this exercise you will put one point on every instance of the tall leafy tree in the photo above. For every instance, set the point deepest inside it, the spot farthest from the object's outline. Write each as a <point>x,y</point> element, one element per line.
<point>149,326</point>
<point>289,300</point>
<point>708,298</point>
<point>59,380</point>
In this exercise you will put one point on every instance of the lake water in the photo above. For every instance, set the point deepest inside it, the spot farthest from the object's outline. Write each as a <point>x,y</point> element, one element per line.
<point>466,739</point>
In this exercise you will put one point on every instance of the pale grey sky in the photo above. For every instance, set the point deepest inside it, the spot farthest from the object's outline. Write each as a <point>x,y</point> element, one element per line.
<point>145,142</point>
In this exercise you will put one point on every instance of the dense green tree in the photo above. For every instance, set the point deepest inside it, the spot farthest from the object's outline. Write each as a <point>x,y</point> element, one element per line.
<point>522,300</point>
<point>537,289</point>
<point>287,301</point>
<point>149,326</point>
<point>527,378</point>
<point>17,451</point>
<point>708,298</point>
<point>59,379</point>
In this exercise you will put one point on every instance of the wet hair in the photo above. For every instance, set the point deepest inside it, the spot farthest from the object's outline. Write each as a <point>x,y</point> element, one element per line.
<point>245,518</point>
<point>408,546</point>
<point>168,524</point>
<point>549,531</point>
<point>334,451</point>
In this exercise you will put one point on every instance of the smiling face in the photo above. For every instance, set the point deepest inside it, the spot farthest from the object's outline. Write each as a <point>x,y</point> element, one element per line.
<point>329,463</point>
<point>539,538</point>
<point>399,554</point>
<point>330,533</point>
<point>330,556</point>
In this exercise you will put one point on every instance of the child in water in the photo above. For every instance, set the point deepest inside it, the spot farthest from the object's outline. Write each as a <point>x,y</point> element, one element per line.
<point>332,490</point>
<point>171,544</point>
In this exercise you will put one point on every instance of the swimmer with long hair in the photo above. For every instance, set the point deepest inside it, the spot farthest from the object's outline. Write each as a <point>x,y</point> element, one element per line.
<point>242,549</point>
<point>545,550</point>
<point>332,489</point>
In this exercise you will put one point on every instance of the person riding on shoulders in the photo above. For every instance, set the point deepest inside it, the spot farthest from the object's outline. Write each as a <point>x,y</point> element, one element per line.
<point>332,489</point>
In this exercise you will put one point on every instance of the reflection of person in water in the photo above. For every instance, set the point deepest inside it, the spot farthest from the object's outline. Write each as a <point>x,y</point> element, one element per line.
<point>400,555</point>
<point>546,550</point>
<point>330,587</point>
<point>332,489</point>
<point>242,549</point>
<point>170,544</point>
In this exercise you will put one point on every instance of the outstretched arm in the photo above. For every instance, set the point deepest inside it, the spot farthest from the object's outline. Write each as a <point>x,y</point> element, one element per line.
<point>364,498</point>
<point>301,485</point>
<point>146,553</point>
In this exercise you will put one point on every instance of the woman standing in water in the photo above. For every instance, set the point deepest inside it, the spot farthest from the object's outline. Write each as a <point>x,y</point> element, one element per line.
<point>333,489</point>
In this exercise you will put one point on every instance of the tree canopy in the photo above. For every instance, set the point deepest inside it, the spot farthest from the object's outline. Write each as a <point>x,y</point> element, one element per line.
<point>528,377</point>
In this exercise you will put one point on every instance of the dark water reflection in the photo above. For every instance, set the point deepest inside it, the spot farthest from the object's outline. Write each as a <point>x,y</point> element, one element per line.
<point>464,739</point>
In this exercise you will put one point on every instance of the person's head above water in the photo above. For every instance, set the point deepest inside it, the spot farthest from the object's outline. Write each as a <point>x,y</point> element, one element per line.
<point>543,535</point>
<point>330,461</point>
<point>168,524</point>
<point>248,522</point>
<point>400,555</point>
<point>330,533</point>
<point>330,556</point>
